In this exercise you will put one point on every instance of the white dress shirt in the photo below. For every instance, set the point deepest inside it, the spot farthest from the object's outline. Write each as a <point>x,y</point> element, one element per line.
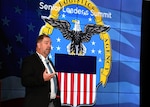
<point>53,93</point>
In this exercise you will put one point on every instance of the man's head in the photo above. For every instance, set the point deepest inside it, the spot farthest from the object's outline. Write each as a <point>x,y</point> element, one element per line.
<point>43,45</point>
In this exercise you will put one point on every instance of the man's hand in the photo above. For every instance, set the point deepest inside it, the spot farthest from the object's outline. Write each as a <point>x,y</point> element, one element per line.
<point>47,76</point>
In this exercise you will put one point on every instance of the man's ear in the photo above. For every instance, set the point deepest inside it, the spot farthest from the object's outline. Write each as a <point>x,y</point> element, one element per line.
<point>38,45</point>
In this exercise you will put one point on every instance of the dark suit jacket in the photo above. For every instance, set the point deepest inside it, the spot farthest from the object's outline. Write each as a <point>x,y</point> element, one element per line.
<point>37,90</point>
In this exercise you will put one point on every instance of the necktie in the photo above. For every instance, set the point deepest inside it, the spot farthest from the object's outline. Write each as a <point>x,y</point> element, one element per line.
<point>54,78</point>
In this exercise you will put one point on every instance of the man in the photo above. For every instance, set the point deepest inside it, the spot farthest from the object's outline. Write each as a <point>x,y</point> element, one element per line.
<point>39,82</point>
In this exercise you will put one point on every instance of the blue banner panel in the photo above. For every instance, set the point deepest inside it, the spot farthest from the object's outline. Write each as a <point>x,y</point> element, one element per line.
<point>75,64</point>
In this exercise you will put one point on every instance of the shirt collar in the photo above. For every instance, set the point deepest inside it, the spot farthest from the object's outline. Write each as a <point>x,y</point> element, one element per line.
<point>42,57</point>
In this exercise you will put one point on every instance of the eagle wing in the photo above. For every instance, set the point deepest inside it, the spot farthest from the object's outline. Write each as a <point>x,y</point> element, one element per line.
<point>91,29</point>
<point>62,25</point>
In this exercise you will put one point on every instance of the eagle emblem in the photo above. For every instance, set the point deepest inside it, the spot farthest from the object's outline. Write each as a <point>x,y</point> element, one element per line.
<point>76,35</point>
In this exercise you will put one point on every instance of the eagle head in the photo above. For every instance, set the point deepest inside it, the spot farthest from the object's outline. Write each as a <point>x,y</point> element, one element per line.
<point>76,25</point>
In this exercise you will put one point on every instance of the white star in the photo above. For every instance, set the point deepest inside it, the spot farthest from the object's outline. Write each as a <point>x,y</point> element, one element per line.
<point>31,27</point>
<point>39,12</point>
<point>63,15</point>
<point>52,47</point>
<point>50,56</point>
<point>31,52</point>
<point>19,38</point>
<point>99,51</point>
<point>58,39</point>
<point>20,62</point>
<point>93,51</point>
<point>58,48</point>
<point>5,21</point>
<point>93,43</point>
<point>8,49</point>
<point>17,10</point>
<point>99,60</point>
<point>90,19</point>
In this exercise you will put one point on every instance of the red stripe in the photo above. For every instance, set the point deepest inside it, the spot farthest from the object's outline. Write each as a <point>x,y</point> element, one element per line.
<point>91,88</point>
<point>72,88</point>
<point>65,88</point>
<point>79,87</point>
<point>85,88</point>
<point>59,80</point>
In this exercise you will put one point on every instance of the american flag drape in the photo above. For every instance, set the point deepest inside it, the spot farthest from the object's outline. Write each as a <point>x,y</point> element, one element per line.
<point>77,84</point>
<point>77,88</point>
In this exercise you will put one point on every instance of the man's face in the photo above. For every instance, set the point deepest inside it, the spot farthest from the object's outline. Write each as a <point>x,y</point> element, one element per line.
<point>45,46</point>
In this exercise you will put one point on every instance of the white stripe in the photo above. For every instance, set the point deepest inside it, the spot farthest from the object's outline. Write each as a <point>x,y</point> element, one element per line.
<point>62,87</point>
<point>82,89</point>
<point>68,87</point>
<point>94,88</point>
<point>75,89</point>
